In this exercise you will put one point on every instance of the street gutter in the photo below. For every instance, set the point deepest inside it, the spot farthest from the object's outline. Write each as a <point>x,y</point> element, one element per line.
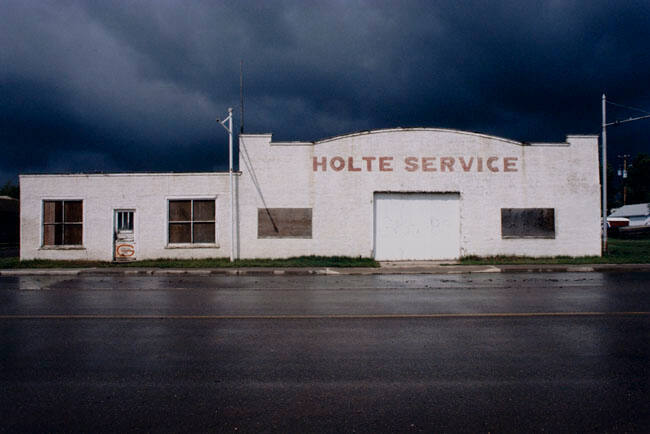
<point>331,271</point>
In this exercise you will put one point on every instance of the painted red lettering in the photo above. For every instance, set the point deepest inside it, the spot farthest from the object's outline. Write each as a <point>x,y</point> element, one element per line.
<point>337,163</point>
<point>490,165</point>
<point>447,162</point>
<point>351,167</point>
<point>411,164</point>
<point>466,166</point>
<point>368,161</point>
<point>509,164</point>
<point>427,164</point>
<point>322,163</point>
<point>479,164</point>
<point>384,164</point>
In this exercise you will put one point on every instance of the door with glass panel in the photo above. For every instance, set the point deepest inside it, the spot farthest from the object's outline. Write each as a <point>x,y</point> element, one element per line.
<point>124,235</point>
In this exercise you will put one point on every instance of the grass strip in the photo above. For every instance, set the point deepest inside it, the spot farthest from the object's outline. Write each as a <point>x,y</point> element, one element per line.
<point>299,261</point>
<point>619,252</point>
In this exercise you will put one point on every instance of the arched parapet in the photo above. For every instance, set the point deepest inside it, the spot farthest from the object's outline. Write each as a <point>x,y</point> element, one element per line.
<point>416,129</point>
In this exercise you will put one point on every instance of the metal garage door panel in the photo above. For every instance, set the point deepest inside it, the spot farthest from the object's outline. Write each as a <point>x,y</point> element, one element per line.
<point>417,226</point>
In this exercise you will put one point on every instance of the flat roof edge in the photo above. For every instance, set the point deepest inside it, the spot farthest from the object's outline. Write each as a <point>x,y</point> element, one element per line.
<point>125,174</point>
<point>409,129</point>
<point>292,143</point>
<point>549,144</point>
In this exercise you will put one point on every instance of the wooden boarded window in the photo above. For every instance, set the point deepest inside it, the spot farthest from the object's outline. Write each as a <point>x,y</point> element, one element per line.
<point>527,222</point>
<point>62,223</point>
<point>191,221</point>
<point>284,223</point>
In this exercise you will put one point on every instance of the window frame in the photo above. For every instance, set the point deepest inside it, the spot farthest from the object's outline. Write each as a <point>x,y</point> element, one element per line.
<point>191,222</point>
<point>130,221</point>
<point>62,223</point>
<point>549,236</point>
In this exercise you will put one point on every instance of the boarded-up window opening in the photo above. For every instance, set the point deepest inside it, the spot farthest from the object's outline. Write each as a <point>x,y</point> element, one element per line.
<point>284,222</point>
<point>191,221</point>
<point>62,223</point>
<point>527,222</point>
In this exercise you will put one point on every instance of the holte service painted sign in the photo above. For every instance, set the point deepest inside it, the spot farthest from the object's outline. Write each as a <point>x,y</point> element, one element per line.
<point>415,164</point>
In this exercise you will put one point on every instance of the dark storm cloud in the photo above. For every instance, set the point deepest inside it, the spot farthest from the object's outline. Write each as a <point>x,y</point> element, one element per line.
<point>137,85</point>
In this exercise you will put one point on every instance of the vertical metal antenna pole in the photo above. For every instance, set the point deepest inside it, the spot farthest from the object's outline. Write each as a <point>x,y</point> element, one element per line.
<point>604,177</point>
<point>232,198</point>
<point>241,96</point>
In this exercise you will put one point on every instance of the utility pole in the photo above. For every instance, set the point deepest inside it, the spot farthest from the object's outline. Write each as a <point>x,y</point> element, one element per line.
<point>604,161</point>
<point>232,198</point>
<point>624,176</point>
<point>604,176</point>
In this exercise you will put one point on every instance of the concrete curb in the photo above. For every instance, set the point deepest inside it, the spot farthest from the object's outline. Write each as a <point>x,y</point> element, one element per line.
<point>328,271</point>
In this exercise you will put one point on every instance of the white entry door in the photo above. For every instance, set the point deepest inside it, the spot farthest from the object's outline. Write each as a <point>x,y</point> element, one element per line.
<point>419,226</point>
<point>124,235</point>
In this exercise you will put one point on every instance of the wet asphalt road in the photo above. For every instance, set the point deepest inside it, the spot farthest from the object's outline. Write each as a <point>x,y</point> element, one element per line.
<point>473,353</point>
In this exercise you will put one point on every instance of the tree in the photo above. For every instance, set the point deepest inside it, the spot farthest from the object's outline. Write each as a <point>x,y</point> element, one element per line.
<point>11,190</point>
<point>638,181</point>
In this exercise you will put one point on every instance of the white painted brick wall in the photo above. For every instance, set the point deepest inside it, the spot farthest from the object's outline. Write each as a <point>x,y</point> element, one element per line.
<point>147,194</point>
<point>563,176</point>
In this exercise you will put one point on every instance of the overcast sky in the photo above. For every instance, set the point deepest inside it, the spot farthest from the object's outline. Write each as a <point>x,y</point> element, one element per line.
<point>137,85</point>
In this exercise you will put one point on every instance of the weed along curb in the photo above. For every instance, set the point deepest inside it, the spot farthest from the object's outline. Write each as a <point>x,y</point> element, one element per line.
<point>624,256</point>
<point>327,271</point>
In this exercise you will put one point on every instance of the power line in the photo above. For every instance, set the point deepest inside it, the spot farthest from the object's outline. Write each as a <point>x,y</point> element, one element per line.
<point>628,107</point>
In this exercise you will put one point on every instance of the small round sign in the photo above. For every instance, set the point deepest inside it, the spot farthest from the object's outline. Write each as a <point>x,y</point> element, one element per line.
<point>124,250</point>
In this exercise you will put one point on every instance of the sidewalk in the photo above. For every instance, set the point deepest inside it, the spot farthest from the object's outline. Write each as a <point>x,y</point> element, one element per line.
<point>387,268</point>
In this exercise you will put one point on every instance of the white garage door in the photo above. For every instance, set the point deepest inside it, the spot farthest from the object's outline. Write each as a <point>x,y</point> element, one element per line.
<point>418,226</point>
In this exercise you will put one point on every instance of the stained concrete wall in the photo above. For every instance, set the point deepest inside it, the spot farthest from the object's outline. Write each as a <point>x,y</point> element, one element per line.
<point>147,194</point>
<point>563,176</point>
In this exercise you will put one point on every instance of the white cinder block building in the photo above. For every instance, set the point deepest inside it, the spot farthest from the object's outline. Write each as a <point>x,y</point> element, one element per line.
<point>398,194</point>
